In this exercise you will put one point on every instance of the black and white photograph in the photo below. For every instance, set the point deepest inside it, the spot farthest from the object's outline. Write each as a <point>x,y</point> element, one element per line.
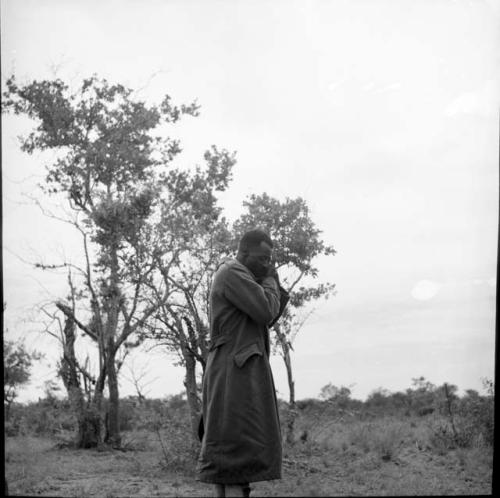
<point>249,247</point>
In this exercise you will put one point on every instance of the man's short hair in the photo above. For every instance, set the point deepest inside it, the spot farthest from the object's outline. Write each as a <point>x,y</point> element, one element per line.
<point>253,238</point>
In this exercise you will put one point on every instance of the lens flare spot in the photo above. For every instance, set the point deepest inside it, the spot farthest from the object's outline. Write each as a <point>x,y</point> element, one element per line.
<point>424,290</point>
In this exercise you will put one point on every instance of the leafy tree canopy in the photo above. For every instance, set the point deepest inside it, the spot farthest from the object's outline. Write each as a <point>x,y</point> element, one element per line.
<point>17,363</point>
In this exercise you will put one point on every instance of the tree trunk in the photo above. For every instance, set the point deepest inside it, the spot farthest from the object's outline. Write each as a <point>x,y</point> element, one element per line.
<point>96,406</point>
<point>89,427</point>
<point>8,399</point>
<point>289,373</point>
<point>88,417</point>
<point>113,420</point>
<point>112,415</point>
<point>192,392</point>
<point>203,346</point>
<point>292,409</point>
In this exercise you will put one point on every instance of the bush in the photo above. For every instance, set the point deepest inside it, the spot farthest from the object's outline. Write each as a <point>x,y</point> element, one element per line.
<point>382,438</point>
<point>127,415</point>
<point>463,433</point>
<point>477,416</point>
<point>11,428</point>
<point>45,417</point>
<point>441,436</point>
<point>172,428</point>
<point>387,440</point>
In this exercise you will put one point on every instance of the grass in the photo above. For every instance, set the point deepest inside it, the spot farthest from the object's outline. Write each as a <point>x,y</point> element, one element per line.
<point>36,466</point>
<point>384,457</point>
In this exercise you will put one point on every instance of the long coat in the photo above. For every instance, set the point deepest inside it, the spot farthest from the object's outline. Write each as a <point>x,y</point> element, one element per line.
<point>242,437</point>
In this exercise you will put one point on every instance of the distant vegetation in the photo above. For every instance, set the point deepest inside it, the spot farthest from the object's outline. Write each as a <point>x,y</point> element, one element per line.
<point>426,440</point>
<point>453,421</point>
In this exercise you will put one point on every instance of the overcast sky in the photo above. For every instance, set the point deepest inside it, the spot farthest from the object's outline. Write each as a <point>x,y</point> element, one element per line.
<point>383,115</point>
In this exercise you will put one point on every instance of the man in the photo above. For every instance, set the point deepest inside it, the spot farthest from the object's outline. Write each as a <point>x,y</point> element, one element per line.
<point>242,438</point>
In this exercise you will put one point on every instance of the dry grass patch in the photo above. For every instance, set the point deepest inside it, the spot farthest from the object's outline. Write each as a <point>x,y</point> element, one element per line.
<point>387,456</point>
<point>383,437</point>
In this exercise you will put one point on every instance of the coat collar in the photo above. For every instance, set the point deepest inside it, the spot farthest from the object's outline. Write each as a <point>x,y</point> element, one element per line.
<point>235,262</point>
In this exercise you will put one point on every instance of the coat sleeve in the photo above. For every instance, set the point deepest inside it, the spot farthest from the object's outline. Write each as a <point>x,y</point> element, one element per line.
<point>284,298</point>
<point>261,302</point>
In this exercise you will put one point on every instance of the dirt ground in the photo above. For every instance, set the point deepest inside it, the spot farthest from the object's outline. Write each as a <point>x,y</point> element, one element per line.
<point>43,467</point>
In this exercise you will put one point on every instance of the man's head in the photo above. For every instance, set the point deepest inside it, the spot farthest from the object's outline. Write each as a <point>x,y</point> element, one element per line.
<point>254,251</point>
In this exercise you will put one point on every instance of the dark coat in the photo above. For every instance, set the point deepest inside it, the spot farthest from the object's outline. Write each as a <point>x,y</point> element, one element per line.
<point>242,437</point>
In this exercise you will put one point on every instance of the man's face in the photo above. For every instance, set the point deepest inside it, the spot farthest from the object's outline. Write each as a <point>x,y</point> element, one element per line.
<point>258,259</point>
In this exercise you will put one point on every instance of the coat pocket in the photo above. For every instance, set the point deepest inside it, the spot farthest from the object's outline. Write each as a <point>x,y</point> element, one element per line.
<point>219,341</point>
<point>242,356</point>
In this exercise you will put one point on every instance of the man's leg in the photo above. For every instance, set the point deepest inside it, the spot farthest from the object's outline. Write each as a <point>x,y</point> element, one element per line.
<point>237,490</point>
<point>219,491</point>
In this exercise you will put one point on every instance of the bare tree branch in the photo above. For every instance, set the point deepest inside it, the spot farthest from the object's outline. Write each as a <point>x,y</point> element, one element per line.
<point>69,313</point>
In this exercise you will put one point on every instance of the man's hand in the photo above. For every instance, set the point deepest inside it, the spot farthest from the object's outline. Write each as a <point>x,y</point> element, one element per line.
<point>271,272</point>
<point>284,296</point>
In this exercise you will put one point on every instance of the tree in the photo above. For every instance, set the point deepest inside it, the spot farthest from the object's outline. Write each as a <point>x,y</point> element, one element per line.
<point>478,411</point>
<point>111,168</point>
<point>422,398</point>
<point>196,237</point>
<point>339,395</point>
<point>192,238</point>
<point>379,399</point>
<point>77,375</point>
<point>17,364</point>
<point>297,245</point>
<point>140,381</point>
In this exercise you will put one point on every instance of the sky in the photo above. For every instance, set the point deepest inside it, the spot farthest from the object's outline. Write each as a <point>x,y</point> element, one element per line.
<point>383,115</point>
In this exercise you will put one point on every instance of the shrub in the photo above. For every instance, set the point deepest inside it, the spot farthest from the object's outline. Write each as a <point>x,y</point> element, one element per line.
<point>179,450</point>
<point>477,416</point>
<point>441,438</point>
<point>11,428</point>
<point>360,436</point>
<point>387,440</point>
<point>382,438</point>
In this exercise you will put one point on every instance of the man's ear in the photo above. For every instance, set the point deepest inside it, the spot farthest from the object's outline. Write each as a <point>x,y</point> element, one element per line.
<point>241,255</point>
